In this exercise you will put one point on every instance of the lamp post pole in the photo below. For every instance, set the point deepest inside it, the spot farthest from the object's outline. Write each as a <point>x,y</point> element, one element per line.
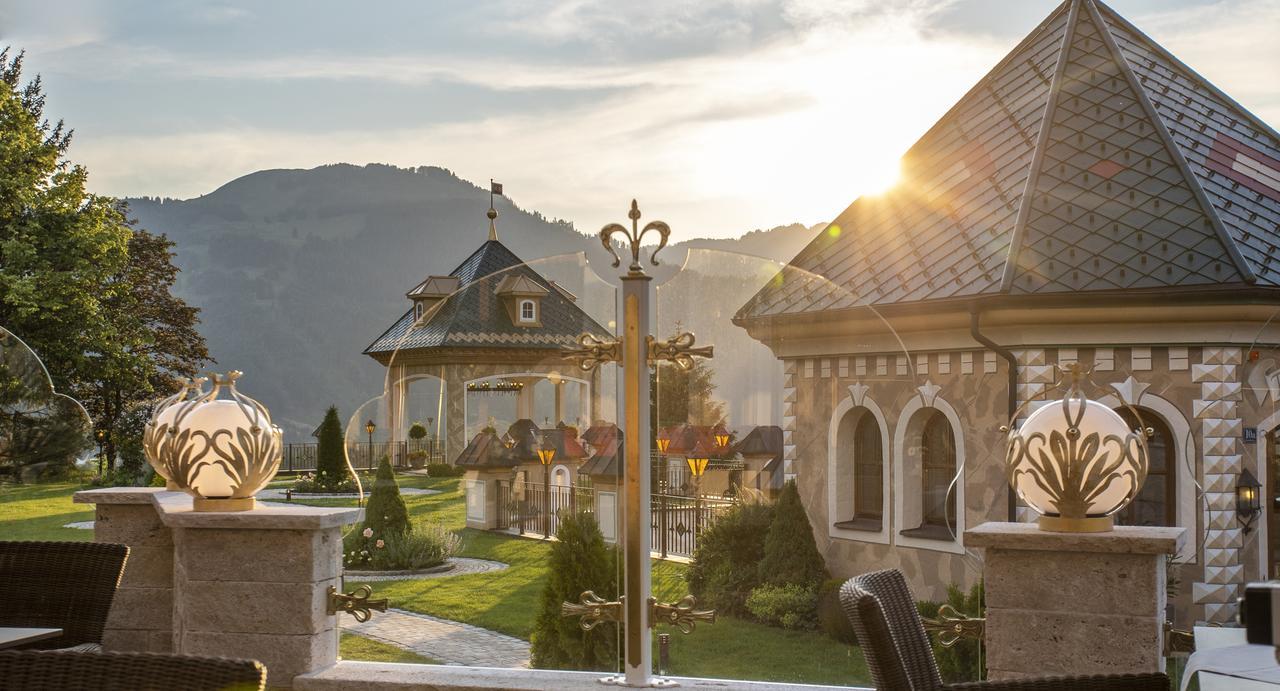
<point>546,453</point>
<point>370,427</point>
<point>635,350</point>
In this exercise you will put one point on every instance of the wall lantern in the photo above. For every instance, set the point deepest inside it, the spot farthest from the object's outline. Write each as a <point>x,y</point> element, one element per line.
<point>1076,462</point>
<point>223,450</point>
<point>1248,499</point>
<point>157,442</point>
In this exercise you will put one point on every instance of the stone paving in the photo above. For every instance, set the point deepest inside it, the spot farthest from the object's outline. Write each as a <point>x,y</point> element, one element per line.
<point>449,642</point>
<point>462,566</point>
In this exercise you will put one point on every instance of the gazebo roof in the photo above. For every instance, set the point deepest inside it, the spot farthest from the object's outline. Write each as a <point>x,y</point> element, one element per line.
<point>486,451</point>
<point>1088,160</point>
<point>473,316</point>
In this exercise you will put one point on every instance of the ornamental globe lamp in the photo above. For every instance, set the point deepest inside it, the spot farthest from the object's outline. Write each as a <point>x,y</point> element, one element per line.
<point>1076,462</point>
<point>157,442</point>
<point>225,449</point>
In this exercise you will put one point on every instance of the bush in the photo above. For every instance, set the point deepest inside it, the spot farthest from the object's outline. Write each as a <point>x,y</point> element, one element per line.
<point>417,431</point>
<point>723,570</point>
<point>331,457</point>
<point>444,470</point>
<point>386,514</point>
<point>831,617</point>
<point>580,561</point>
<point>962,661</point>
<point>790,554</point>
<point>420,548</point>
<point>789,606</point>
<point>311,484</point>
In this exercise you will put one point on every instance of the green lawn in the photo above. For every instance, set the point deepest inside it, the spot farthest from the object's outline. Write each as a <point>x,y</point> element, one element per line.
<point>353,647</point>
<point>507,600</point>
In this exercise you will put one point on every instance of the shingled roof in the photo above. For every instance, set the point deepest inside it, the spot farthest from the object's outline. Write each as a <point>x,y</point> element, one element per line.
<point>1088,160</point>
<point>473,315</point>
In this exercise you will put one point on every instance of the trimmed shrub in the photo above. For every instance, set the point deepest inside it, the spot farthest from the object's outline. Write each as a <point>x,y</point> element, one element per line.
<point>444,470</point>
<point>791,555</point>
<point>723,570</point>
<point>580,561</point>
<point>788,606</point>
<point>309,483</point>
<point>331,458</point>
<point>417,431</point>
<point>386,514</point>
<point>962,661</point>
<point>831,617</point>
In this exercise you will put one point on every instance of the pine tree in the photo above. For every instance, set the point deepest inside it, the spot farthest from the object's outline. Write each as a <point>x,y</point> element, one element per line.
<point>791,556</point>
<point>579,561</point>
<point>331,466</point>
<point>386,514</point>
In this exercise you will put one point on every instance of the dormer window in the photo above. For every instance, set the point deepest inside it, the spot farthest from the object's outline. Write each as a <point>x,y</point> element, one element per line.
<point>528,311</point>
<point>522,297</point>
<point>417,311</point>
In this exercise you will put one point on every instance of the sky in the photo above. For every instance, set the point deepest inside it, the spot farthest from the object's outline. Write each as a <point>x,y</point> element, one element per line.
<point>721,116</point>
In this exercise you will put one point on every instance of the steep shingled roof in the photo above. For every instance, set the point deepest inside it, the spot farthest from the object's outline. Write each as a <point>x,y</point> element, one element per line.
<point>1142,175</point>
<point>474,317</point>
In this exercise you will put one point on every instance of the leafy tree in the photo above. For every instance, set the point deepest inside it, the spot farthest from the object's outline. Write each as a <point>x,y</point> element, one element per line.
<point>791,555</point>
<point>89,293</point>
<point>685,396</point>
<point>580,561</point>
<point>386,514</point>
<point>723,571</point>
<point>417,431</point>
<point>331,466</point>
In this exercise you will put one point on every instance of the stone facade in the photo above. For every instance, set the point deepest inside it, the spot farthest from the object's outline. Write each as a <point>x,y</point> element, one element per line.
<point>1196,391</point>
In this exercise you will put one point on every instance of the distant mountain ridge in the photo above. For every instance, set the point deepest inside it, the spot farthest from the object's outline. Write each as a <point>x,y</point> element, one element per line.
<point>296,271</point>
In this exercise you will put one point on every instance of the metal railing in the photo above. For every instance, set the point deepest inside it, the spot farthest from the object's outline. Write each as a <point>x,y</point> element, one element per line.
<point>301,457</point>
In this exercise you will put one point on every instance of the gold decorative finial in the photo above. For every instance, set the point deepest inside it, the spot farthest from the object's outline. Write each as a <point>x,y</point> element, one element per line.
<point>493,228</point>
<point>633,238</point>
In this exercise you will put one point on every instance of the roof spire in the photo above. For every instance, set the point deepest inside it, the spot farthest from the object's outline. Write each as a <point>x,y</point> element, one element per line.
<point>494,188</point>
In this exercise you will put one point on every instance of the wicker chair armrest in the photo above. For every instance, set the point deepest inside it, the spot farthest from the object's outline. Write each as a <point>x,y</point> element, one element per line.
<point>1109,682</point>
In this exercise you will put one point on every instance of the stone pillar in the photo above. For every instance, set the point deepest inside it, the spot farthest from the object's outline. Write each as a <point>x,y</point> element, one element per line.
<point>1074,603</point>
<point>249,584</point>
<point>141,617</point>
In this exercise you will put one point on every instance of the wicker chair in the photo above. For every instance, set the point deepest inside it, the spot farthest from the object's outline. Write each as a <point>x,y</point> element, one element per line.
<point>64,585</point>
<point>899,655</point>
<point>66,670</point>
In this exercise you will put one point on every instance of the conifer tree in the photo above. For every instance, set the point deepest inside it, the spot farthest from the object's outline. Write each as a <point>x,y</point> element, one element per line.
<point>791,555</point>
<point>331,466</point>
<point>580,561</point>
<point>386,513</point>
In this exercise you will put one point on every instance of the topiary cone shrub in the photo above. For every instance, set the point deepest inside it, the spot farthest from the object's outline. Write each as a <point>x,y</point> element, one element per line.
<point>580,561</point>
<point>385,513</point>
<point>791,555</point>
<point>331,462</point>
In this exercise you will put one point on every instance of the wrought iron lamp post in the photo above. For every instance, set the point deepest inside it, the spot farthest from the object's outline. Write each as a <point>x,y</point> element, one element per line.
<point>635,350</point>
<point>1248,499</point>
<point>101,435</point>
<point>546,453</point>
<point>697,467</point>
<point>370,428</point>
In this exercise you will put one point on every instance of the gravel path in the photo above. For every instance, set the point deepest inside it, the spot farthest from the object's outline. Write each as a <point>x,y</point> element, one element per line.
<point>450,642</point>
<point>462,566</point>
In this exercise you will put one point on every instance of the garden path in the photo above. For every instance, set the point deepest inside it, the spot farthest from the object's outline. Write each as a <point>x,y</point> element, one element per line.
<point>450,642</point>
<point>462,566</point>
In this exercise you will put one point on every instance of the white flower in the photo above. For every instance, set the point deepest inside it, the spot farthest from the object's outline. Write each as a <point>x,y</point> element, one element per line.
<point>380,544</point>
<point>368,532</point>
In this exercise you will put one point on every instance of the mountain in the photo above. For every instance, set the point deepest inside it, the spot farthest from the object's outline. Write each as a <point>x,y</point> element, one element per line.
<point>296,271</point>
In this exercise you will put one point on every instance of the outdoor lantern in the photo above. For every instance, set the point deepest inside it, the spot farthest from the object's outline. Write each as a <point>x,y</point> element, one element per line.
<point>1248,499</point>
<point>224,450</point>
<point>722,436</point>
<point>508,440</point>
<point>696,466</point>
<point>370,427</point>
<point>663,443</point>
<point>1076,462</point>
<point>157,442</point>
<point>546,452</point>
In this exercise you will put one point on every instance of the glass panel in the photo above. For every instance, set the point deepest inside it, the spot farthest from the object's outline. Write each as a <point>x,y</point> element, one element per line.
<point>43,433</point>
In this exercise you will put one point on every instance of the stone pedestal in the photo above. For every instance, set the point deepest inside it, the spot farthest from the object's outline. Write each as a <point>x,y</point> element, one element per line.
<point>481,491</point>
<point>1074,603</point>
<point>249,584</point>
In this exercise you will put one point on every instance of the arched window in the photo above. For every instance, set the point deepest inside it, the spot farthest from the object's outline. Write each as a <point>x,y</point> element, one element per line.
<point>868,470</point>
<point>938,469</point>
<point>1156,503</point>
<point>528,312</point>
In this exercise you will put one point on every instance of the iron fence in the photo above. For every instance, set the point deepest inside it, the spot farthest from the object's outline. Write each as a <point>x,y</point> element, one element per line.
<point>301,457</point>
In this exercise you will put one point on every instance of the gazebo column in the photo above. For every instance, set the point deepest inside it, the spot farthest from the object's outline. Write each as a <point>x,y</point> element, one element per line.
<point>558,386</point>
<point>525,399</point>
